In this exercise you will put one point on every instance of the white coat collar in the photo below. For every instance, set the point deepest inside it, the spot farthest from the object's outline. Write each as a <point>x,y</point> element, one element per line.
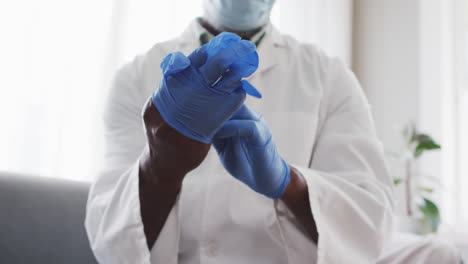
<point>266,48</point>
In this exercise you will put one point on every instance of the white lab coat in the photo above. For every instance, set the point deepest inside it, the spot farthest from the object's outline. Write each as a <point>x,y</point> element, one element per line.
<point>321,123</point>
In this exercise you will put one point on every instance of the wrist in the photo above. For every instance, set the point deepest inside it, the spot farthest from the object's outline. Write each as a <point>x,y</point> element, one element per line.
<point>296,198</point>
<point>169,155</point>
<point>296,189</point>
<point>153,171</point>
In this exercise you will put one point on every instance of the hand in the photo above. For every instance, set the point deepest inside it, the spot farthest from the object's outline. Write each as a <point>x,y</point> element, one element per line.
<point>199,93</point>
<point>192,102</point>
<point>170,155</point>
<point>247,151</point>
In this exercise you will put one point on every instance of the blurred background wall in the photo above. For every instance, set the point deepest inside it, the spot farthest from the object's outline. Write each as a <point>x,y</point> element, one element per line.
<point>410,57</point>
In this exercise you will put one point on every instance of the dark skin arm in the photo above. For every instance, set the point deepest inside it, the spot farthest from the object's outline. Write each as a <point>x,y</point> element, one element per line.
<point>162,169</point>
<point>296,198</point>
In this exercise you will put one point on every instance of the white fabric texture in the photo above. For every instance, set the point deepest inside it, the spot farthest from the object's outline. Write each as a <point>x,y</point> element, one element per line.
<point>319,118</point>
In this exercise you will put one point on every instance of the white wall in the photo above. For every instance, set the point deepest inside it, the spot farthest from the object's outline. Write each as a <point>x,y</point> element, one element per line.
<point>327,24</point>
<point>386,61</point>
<point>437,110</point>
<point>402,56</point>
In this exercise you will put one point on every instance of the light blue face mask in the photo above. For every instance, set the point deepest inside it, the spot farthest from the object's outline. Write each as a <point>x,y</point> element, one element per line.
<point>241,15</point>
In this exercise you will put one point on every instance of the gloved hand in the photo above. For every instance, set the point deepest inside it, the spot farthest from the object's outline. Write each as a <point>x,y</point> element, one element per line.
<point>199,93</point>
<point>247,151</point>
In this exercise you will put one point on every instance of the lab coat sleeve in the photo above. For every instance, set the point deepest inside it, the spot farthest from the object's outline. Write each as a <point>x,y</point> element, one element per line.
<point>350,189</point>
<point>113,220</point>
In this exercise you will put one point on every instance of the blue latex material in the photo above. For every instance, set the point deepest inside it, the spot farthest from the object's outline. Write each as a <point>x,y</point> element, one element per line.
<point>200,92</point>
<point>247,151</point>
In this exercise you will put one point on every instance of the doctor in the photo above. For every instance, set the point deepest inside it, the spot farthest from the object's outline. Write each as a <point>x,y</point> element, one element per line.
<point>201,171</point>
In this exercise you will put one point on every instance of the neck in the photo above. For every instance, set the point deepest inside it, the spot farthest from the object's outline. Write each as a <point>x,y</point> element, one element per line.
<point>215,30</point>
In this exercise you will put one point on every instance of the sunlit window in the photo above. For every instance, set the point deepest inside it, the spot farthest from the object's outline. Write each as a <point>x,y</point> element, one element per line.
<point>57,58</point>
<point>461,82</point>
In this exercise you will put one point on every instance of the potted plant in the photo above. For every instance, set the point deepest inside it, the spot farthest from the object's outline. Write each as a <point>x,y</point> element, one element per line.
<point>421,212</point>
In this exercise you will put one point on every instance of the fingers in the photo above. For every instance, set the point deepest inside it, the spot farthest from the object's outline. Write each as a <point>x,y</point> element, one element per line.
<point>244,112</point>
<point>236,128</point>
<point>221,61</point>
<point>224,61</point>
<point>250,89</point>
<point>174,63</point>
<point>238,70</point>
<point>220,42</point>
<point>198,57</point>
<point>243,68</point>
<point>245,123</point>
<point>255,132</point>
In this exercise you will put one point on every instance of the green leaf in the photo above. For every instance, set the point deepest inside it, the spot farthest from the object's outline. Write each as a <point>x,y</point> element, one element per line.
<point>428,190</point>
<point>421,138</point>
<point>423,143</point>
<point>423,146</point>
<point>396,181</point>
<point>431,213</point>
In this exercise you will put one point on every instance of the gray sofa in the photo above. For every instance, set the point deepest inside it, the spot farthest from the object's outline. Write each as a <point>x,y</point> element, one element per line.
<point>42,221</point>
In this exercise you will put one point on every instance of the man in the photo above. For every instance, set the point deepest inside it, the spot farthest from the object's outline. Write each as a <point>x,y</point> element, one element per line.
<point>305,183</point>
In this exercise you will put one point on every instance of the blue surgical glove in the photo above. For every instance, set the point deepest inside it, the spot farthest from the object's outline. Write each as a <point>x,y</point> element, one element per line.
<point>247,151</point>
<point>200,92</point>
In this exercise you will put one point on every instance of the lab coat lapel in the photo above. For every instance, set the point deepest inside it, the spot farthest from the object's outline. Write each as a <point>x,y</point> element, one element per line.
<point>267,49</point>
<point>273,40</point>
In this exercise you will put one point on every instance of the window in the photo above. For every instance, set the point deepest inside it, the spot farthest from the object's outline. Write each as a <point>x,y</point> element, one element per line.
<point>455,117</point>
<point>461,93</point>
<point>57,59</point>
